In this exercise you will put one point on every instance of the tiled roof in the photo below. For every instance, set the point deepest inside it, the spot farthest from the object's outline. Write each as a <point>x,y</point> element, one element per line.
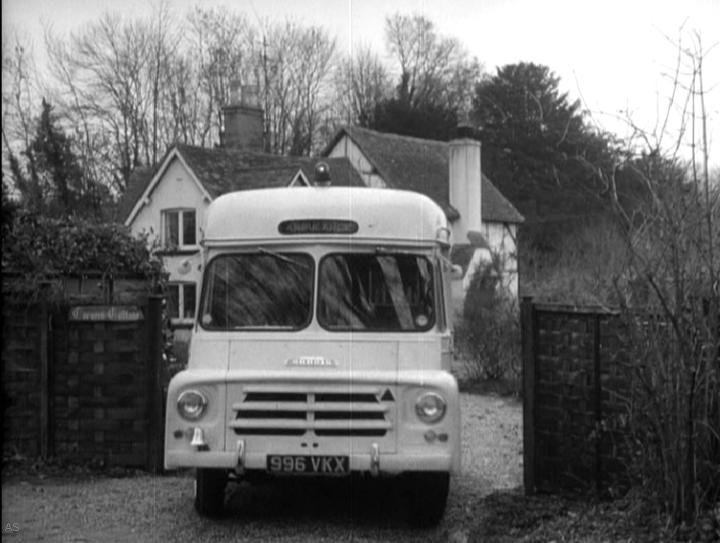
<point>222,170</point>
<point>136,185</point>
<point>422,165</point>
<point>225,170</point>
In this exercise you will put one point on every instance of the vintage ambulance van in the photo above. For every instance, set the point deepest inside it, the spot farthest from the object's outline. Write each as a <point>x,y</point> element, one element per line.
<point>322,345</point>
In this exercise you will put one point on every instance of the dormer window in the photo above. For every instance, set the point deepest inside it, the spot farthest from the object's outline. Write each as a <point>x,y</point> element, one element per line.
<point>179,228</point>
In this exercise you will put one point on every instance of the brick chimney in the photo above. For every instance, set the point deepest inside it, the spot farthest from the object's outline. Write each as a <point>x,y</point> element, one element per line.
<point>242,119</point>
<point>465,183</point>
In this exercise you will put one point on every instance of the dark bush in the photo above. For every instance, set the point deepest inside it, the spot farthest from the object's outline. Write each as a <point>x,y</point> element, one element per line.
<point>37,250</point>
<point>488,335</point>
<point>38,246</point>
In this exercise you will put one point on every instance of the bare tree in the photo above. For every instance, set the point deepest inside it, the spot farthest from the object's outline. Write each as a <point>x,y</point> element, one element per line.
<point>18,97</point>
<point>110,80</point>
<point>433,70</point>
<point>293,73</point>
<point>126,89</point>
<point>100,72</point>
<point>164,41</point>
<point>672,240</point>
<point>18,94</point>
<point>130,88</point>
<point>220,50</point>
<point>186,116</point>
<point>361,82</point>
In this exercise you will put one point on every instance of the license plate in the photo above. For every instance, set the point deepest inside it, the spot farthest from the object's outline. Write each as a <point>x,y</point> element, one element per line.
<point>305,464</point>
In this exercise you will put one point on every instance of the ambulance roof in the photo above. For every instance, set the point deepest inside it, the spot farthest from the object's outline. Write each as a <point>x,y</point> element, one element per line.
<point>280,215</point>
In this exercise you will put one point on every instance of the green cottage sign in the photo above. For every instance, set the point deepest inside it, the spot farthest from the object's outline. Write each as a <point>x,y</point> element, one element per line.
<point>104,313</point>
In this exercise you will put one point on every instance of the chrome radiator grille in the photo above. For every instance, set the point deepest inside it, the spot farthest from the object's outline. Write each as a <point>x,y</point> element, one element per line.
<point>265,410</point>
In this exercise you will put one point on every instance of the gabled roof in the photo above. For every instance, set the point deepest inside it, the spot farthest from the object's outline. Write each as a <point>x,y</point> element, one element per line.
<point>422,165</point>
<point>221,170</point>
<point>226,170</point>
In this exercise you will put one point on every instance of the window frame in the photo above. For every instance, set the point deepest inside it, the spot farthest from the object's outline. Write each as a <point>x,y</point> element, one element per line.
<point>433,323</point>
<point>206,284</point>
<point>180,212</point>
<point>180,286</point>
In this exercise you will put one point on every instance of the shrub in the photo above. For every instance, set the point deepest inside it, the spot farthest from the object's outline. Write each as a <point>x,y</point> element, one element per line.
<point>673,412</point>
<point>580,269</point>
<point>671,304</point>
<point>37,246</point>
<point>488,334</point>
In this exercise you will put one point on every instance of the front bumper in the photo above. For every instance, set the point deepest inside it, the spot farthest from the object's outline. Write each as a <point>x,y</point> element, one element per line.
<point>367,462</point>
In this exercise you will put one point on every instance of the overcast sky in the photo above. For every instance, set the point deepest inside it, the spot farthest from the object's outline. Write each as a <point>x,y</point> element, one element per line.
<point>612,54</point>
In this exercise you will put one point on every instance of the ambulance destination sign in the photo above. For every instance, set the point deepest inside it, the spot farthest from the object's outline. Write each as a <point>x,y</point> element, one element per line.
<point>102,313</point>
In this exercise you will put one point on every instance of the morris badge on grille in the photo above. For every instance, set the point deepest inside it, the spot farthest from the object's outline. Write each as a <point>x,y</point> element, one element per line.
<point>310,362</point>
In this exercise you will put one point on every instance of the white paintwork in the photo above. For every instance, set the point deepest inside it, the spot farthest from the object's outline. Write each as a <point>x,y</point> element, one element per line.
<point>175,190</point>
<point>166,171</point>
<point>225,365</point>
<point>253,216</point>
<point>465,179</point>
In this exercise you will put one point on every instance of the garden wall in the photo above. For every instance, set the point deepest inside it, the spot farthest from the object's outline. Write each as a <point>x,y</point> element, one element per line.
<point>573,384</point>
<point>83,376</point>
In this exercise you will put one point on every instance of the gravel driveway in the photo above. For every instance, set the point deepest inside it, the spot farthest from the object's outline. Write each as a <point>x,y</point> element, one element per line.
<point>147,508</point>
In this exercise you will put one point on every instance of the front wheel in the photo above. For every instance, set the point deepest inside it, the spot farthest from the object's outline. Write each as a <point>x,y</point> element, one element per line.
<point>427,494</point>
<point>210,491</point>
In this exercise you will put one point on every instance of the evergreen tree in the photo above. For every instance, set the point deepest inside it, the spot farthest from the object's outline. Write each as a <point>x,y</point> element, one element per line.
<point>429,121</point>
<point>53,182</point>
<point>56,162</point>
<point>542,154</point>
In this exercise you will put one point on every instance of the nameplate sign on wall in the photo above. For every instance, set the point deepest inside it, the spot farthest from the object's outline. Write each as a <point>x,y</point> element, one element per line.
<point>103,313</point>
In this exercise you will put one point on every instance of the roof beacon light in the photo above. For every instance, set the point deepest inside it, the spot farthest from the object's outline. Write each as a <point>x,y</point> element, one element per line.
<point>322,174</point>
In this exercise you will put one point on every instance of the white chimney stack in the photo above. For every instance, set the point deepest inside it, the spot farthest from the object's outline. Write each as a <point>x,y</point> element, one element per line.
<point>465,184</point>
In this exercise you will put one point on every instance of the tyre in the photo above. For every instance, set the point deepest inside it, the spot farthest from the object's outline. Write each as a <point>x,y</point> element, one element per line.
<point>427,495</point>
<point>210,491</point>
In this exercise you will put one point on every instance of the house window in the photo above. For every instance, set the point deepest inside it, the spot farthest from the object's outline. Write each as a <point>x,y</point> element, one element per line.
<point>181,302</point>
<point>179,228</point>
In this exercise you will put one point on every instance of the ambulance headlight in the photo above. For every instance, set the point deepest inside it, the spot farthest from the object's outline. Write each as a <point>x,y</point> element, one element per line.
<point>191,405</point>
<point>430,407</point>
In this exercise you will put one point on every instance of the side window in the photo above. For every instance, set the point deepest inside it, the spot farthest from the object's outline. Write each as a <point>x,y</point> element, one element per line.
<point>179,228</point>
<point>181,302</point>
<point>188,225</point>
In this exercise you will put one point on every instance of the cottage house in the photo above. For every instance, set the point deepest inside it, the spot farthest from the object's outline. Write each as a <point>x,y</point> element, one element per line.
<point>170,202</point>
